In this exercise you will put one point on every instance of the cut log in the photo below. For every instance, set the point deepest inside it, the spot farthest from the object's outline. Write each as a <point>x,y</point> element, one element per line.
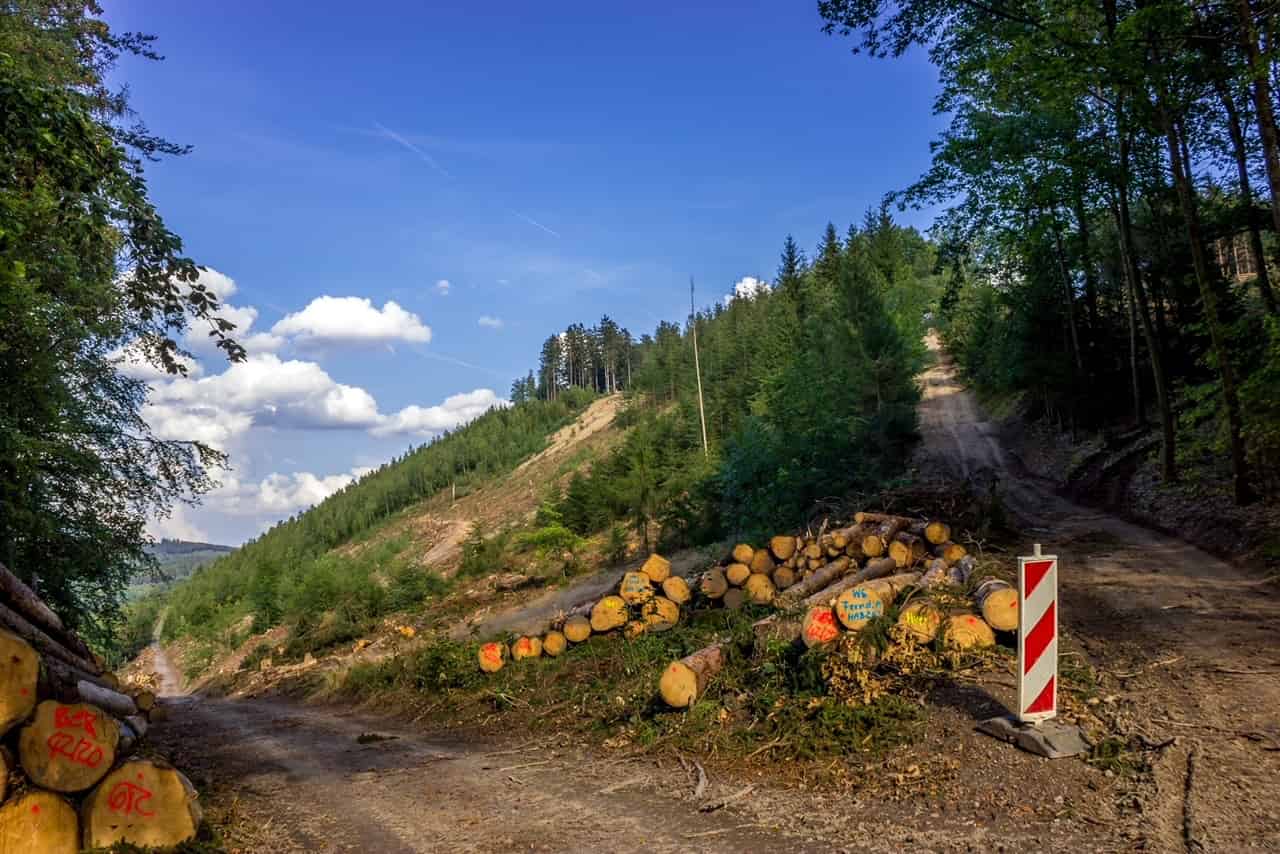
<point>19,676</point>
<point>68,748</point>
<point>45,645</point>
<point>684,681</point>
<point>762,562</point>
<point>935,574</point>
<point>922,619</point>
<point>967,631</point>
<point>714,585</point>
<point>526,647</point>
<point>880,567</point>
<point>950,552</point>
<point>554,643</point>
<point>877,542</point>
<point>820,626</point>
<point>145,701</point>
<point>859,605</point>
<point>657,568</point>
<point>636,588</point>
<point>737,574</point>
<point>15,591</point>
<point>660,614</point>
<point>759,589</point>
<point>742,553</point>
<point>676,589</point>
<point>937,532</point>
<point>577,629</point>
<point>816,581</point>
<point>491,657</point>
<point>143,802</point>
<point>634,629</point>
<point>816,563</point>
<point>813,551</point>
<point>998,602</point>
<point>907,549</point>
<point>733,598</point>
<point>37,822</point>
<point>783,577</point>
<point>119,705</point>
<point>609,613</point>
<point>783,547</point>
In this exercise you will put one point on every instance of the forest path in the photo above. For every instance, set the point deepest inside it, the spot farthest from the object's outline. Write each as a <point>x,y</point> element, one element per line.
<point>1194,640</point>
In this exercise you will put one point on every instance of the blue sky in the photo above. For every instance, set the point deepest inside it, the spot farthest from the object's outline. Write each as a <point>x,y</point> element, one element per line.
<point>551,162</point>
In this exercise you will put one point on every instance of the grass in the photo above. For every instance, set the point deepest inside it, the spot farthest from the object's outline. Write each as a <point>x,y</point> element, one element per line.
<point>773,699</point>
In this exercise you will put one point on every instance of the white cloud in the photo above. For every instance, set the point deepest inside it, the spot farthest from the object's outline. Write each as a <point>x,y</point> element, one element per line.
<point>490,322</point>
<point>442,287</point>
<point>262,390</point>
<point>351,320</point>
<point>748,287</point>
<point>219,284</point>
<point>454,412</point>
<point>278,494</point>
<point>198,340</point>
<point>176,526</point>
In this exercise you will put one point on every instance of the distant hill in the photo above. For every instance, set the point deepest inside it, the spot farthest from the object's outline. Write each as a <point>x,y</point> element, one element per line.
<point>176,559</point>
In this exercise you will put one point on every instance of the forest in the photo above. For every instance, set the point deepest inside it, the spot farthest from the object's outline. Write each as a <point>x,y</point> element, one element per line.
<point>1112,172</point>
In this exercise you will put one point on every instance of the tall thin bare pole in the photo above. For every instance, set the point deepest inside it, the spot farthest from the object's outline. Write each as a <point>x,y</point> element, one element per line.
<point>697,369</point>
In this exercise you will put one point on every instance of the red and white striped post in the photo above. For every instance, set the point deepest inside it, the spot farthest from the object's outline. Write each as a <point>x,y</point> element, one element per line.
<point>1037,637</point>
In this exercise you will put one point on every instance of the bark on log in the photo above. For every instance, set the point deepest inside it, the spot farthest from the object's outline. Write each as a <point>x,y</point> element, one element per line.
<point>657,568</point>
<point>676,589</point>
<point>636,588</point>
<point>554,643</point>
<point>967,631</point>
<point>119,705</point>
<point>742,553</point>
<point>45,645</point>
<point>998,602</point>
<point>816,581</point>
<point>68,748</point>
<point>15,591</point>
<point>609,613</point>
<point>19,678</point>
<point>783,547</point>
<point>143,802</point>
<point>936,573</point>
<point>864,518</point>
<point>734,598</point>
<point>759,589</point>
<point>880,567</point>
<point>577,629</point>
<point>960,571</point>
<point>37,822</point>
<point>684,681</point>
<point>714,584</point>
<point>737,574</point>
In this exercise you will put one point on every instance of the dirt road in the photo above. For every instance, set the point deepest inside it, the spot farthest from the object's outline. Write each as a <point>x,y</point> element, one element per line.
<point>1199,638</point>
<point>1187,645</point>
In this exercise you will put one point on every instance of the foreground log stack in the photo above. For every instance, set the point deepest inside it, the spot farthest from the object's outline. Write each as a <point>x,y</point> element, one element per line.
<point>68,729</point>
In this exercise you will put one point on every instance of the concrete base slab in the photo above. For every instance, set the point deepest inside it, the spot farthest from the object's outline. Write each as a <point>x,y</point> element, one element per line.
<point>1051,739</point>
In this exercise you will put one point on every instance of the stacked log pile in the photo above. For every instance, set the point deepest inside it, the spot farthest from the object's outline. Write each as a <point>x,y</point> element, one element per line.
<point>647,600</point>
<point>828,587</point>
<point>67,777</point>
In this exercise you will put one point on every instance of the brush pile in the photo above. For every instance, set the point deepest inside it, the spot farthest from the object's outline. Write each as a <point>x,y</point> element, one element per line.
<point>69,728</point>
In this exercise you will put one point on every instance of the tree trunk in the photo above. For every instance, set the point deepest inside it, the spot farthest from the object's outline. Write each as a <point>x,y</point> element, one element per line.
<point>1124,225</point>
<point>1246,194</point>
<point>1262,106</point>
<point>1068,293</point>
<point>1209,299</point>
<point>684,681</point>
<point>1090,274</point>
